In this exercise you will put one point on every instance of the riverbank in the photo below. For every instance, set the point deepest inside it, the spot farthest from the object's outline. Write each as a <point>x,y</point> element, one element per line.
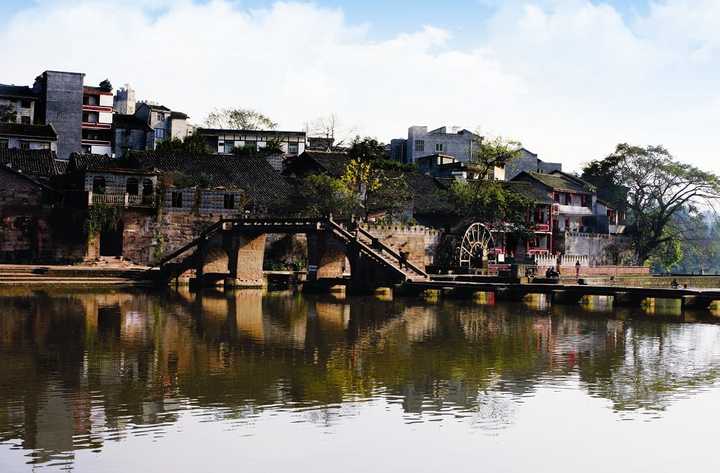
<point>73,276</point>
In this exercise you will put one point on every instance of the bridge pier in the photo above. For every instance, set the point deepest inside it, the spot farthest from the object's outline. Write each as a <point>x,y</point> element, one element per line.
<point>626,299</point>
<point>246,253</point>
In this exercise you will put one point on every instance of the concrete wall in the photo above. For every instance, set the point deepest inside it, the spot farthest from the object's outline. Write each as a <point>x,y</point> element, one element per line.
<point>453,144</point>
<point>20,111</point>
<point>62,95</point>
<point>600,248</point>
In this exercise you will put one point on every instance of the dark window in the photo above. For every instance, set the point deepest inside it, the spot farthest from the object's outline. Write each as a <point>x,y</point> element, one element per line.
<point>438,147</point>
<point>556,196</point>
<point>177,199</point>
<point>24,145</point>
<point>147,187</point>
<point>252,145</point>
<point>419,145</point>
<point>131,186</point>
<point>25,103</point>
<point>25,119</point>
<point>3,144</point>
<point>98,185</point>
<point>229,146</point>
<point>293,148</point>
<point>159,133</point>
<point>568,199</point>
<point>229,201</point>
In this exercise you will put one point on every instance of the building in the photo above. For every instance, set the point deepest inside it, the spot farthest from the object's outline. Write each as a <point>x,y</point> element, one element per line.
<point>124,101</point>
<point>60,104</point>
<point>39,164</point>
<point>583,226</point>
<point>221,141</point>
<point>131,133</point>
<point>444,166</point>
<point>97,119</point>
<point>459,143</point>
<point>165,123</point>
<point>21,100</point>
<point>27,137</point>
<point>528,161</point>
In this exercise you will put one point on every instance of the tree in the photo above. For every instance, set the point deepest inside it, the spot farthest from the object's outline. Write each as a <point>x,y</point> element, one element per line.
<point>8,114</point>
<point>106,85</point>
<point>658,188</point>
<point>487,154</point>
<point>323,126</point>
<point>323,195</point>
<point>239,119</point>
<point>192,144</point>
<point>367,149</point>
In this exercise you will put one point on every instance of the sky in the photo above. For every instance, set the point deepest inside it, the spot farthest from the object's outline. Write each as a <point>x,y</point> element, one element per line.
<point>569,79</point>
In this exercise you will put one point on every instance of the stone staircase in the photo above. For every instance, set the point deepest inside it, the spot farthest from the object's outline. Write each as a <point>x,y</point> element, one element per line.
<point>39,275</point>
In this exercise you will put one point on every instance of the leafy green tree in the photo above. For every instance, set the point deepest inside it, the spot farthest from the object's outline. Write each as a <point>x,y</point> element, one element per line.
<point>239,119</point>
<point>367,149</point>
<point>322,195</point>
<point>192,144</point>
<point>658,188</point>
<point>487,154</point>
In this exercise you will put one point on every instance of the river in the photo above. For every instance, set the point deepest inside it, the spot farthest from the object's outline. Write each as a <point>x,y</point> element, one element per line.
<point>268,382</point>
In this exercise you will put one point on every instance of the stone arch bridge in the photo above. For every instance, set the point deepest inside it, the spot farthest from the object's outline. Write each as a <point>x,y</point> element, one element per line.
<point>232,251</point>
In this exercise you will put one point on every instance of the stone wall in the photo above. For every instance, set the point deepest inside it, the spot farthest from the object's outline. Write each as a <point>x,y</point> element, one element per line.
<point>601,249</point>
<point>420,242</point>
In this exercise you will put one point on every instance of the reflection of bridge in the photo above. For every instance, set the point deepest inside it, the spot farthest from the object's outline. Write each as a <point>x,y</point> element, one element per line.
<point>570,293</point>
<point>232,251</point>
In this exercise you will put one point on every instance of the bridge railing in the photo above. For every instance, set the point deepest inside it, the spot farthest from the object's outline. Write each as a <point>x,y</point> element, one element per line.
<point>391,251</point>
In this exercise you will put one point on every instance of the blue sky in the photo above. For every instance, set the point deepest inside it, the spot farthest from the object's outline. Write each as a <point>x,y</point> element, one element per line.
<point>568,78</point>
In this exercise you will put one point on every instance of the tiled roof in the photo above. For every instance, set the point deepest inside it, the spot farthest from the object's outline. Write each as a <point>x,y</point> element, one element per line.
<point>178,115</point>
<point>61,166</point>
<point>151,106</point>
<point>253,174</point>
<point>558,181</point>
<point>329,162</point>
<point>39,163</point>
<point>87,161</point>
<point>534,193</point>
<point>429,194</point>
<point>16,91</point>
<point>28,131</point>
<point>129,122</point>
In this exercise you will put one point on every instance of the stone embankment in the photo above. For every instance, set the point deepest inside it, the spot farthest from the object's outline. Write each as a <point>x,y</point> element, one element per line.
<point>81,275</point>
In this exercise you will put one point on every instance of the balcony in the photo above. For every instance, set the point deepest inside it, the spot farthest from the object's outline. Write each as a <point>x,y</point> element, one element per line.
<point>120,200</point>
<point>572,210</point>
<point>542,228</point>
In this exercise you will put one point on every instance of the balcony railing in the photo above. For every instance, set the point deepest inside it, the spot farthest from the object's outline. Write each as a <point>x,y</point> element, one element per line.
<point>120,200</point>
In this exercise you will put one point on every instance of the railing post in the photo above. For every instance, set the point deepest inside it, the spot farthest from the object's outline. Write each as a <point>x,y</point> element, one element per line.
<point>90,196</point>
<point>127,200</point>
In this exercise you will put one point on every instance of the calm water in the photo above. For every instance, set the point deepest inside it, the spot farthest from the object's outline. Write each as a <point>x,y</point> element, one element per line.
<point>97,382</point>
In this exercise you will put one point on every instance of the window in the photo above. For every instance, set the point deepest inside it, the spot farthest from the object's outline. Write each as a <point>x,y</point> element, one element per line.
<point>131,186</point>
<point>159,134</point>
<point>229,147</point>
<point>25,119</point>
<point>98,185</point>
<point>26,103</point>
<point>147,187</point>
<point>438,147</point>
<point>556,196</point>
<point>229,201</point>
<point>568,199</point>
<point>160,116</point>
<point>293,148</point>
<point>177,199</point>
<point>24,145</point>
<point>251,145</point>
<point>419,145</point>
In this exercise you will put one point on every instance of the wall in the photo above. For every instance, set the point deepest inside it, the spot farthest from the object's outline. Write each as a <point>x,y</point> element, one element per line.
<point>21,111</point>
<point>421,242</point>
<point>601,249</point>
<point>63,97</point>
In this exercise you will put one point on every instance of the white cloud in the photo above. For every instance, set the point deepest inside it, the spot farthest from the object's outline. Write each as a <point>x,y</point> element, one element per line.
<point>569,78</point>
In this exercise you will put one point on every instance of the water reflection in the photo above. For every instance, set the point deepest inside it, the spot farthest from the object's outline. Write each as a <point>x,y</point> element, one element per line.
<point>80,370</point>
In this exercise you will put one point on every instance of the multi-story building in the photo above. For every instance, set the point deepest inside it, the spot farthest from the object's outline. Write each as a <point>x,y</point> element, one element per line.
<point>444,166</point>
<point>165,123</point>
<point>131,133</point>
<point>60,104</point>
<point>529,161</point>
<point>24,136</point>
<point>291,143</point>
<point>21,100</point>
<point>97,119</point>
<point>124,101</point>
<point>459,143</point>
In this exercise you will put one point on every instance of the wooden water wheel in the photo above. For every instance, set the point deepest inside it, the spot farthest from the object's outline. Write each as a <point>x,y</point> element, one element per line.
<point>475,246</point>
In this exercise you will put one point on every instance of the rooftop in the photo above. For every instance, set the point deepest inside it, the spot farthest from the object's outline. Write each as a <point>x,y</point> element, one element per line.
<point>19,91</point>
<point>28,131</point>
<point>39,163</point>
<point>221,131</point>
<point>558,181</point>
<point>329,162</point>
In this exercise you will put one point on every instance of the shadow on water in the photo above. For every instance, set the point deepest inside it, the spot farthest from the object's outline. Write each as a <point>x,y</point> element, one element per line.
<point>82,369</point>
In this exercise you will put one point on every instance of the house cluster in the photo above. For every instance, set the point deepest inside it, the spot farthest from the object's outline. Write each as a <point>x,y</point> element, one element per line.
<point>70,152</point>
